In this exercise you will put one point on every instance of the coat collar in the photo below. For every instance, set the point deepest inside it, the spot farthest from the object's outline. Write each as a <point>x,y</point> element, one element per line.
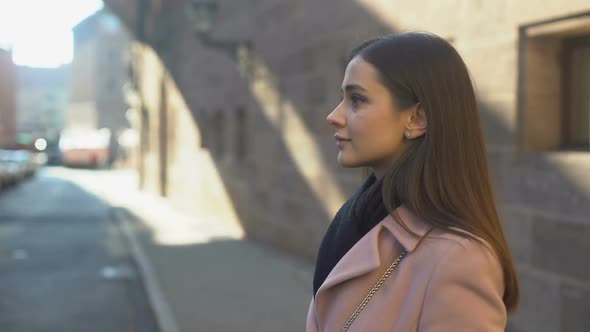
<point>364,256</point>
<point>413,222</point>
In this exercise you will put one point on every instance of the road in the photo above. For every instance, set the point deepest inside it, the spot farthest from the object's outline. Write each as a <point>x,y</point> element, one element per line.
<point>64,262</point>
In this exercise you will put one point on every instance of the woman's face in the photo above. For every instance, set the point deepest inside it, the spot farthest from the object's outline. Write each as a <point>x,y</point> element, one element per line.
<point>369,125</point>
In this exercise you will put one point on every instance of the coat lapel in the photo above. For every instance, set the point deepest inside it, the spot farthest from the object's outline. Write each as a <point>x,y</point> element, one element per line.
<point>364,256</point>
<point>361,259</point>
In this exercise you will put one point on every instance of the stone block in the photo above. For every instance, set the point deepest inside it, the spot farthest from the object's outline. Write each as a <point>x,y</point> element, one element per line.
<point>316,90</point>
<point>539,309</point>
<point>495,130</point>
<point>575,309</point>
<point>539,183</point>
<point>560,247</point>
<point>518,229</point>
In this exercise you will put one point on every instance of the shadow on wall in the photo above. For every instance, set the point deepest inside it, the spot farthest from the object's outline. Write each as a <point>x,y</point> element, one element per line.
<point>276,157</point>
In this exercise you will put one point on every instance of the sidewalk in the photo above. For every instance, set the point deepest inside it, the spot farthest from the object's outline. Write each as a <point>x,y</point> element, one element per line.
<point>201,275</point>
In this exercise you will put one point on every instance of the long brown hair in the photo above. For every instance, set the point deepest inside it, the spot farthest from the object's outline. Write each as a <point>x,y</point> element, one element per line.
<point>442,176</point>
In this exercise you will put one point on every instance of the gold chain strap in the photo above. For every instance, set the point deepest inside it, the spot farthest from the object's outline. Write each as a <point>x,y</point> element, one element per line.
<point>372,292</point>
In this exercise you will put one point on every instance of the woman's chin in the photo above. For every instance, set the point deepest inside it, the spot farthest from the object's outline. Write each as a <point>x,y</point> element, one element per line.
<point>347,162</point>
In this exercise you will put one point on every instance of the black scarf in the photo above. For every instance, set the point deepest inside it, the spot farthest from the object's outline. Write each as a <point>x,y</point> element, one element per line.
<point>363,211</point>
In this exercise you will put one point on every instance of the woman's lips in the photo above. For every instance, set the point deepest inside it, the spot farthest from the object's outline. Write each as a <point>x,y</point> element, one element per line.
<point>341,138</point>
<point>340,141</point>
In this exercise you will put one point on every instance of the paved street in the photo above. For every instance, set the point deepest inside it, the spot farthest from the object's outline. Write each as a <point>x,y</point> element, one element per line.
<point>64,263</point>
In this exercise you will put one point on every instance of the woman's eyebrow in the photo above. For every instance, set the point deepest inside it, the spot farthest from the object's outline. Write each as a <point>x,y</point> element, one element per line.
<point>353,87</point>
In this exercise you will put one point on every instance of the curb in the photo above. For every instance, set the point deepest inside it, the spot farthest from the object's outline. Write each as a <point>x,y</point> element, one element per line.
<point>162,311</point>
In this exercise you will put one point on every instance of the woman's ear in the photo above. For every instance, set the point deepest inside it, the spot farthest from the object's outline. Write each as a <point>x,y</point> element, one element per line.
<point>417,124</point>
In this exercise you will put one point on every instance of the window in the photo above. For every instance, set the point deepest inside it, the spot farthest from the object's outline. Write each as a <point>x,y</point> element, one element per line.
<point>241,133</point>
<point>219,130</point>
<point>554,85</point>
<point>145,130</point>
<point>576,125</point>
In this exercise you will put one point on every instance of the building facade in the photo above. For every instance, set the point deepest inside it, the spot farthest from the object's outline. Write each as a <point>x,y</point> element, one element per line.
<point>8,102</point>
<point>239,133</point>
<point>42,100</point>
<point>98,72</point>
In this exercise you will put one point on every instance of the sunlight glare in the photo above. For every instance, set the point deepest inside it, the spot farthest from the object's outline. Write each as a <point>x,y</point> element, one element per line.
<point>39,32</point>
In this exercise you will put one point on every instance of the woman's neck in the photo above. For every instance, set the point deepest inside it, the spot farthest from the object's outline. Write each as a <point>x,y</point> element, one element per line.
<point>379,172</point>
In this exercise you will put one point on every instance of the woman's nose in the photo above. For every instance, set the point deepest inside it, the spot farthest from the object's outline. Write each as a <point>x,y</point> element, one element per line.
<point>336,119</point>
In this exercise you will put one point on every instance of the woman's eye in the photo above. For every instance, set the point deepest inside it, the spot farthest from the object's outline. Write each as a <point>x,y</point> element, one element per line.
<point>356,99</point>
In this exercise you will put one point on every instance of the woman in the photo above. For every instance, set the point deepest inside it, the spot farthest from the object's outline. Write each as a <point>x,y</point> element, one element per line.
<point>419,247</point>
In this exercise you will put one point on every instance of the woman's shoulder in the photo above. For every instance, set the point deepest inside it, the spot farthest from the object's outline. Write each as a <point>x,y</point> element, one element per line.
<point>417,232</point>
<point>434,244</point>
<point>458,239</point>
<point>465,255</point>
<point>465,279</point>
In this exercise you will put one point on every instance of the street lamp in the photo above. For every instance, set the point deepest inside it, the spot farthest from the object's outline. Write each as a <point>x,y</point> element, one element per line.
<point>201,14</point>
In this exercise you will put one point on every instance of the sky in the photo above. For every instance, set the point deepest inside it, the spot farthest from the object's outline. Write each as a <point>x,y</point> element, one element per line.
<point>40,31</point>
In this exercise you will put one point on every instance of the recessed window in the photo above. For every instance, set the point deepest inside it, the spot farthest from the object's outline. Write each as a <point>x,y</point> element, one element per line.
<point>145,129</point>
<point>219,130</point>
<point>241,133</point>
<point>554,85</point>
<point>576,126</point>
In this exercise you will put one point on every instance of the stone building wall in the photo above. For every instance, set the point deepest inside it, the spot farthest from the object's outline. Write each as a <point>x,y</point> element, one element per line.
<point>247,140</point>
<point>42,99</point>
<point>99,70</point>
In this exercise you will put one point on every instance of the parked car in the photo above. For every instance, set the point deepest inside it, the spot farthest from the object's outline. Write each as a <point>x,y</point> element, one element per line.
<point>14,168</point>
<point>5,177</point>
<point>26,162</point>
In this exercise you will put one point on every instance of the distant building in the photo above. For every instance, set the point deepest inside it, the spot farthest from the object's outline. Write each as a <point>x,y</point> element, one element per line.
<point>7,99</point>
<point>42,100</point>
<point>98,72</point>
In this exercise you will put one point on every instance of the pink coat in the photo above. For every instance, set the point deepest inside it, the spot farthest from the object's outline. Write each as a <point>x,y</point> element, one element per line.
<point>447,283</point>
